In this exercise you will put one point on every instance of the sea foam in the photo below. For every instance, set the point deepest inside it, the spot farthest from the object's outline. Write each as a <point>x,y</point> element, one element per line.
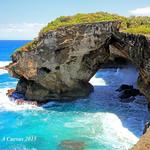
<point>2,64</point>
<point>99,119</point>
<point>7,105</point>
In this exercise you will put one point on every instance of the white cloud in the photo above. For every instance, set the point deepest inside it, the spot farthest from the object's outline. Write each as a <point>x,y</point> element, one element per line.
<point>141,11</point>
<point>20,31</point>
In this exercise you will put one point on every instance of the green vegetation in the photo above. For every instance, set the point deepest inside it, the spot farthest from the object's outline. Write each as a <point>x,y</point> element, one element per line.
<point>145,30</point>
<point>82,18</point>
<point>136,25</point>
<point>28,47</point>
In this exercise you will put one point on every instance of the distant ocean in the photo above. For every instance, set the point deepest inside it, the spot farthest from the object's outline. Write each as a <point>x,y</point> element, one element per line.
<point>99,122</point>
<point>7,47</point>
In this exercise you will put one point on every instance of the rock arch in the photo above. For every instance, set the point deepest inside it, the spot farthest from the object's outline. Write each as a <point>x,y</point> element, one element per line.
<point>64,60</point>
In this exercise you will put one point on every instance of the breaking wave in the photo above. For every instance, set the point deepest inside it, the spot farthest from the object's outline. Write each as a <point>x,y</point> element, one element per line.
<point>101,121</point>
<point>2,64</point>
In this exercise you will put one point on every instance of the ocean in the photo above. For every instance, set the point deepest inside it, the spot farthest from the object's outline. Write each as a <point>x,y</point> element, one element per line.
<point>99,122</point>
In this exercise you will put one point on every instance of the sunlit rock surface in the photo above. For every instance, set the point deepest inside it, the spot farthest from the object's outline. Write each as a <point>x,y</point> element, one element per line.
<point>144,142</point>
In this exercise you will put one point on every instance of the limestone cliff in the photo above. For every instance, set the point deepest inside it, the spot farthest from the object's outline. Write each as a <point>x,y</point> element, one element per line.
<point>143,143</point>
<point>62,61</point>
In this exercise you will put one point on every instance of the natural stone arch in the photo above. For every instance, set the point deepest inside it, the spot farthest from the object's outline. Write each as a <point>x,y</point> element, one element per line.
<point>137,49</point>
<point>64,60</point>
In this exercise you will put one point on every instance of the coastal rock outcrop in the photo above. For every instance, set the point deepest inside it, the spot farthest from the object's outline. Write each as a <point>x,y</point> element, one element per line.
<point>143,143</point>
<point>63,61</point>
<point>128,93</point>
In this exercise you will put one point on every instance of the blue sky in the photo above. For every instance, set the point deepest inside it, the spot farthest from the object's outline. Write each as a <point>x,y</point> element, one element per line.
<point>22,19</point>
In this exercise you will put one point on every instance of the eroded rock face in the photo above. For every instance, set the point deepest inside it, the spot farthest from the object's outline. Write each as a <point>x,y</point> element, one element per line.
<point>64,60</point>
<point>143,143</point>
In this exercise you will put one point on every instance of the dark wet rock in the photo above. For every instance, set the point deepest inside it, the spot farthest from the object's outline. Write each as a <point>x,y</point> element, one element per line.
<point>63,61</point>
<point>18,95</point>
<point>71,145</point>
<point>149,106</point>
<point>147,125</point>
<point>15,94</point>
<point>124,87</point>
<point>128,94</point>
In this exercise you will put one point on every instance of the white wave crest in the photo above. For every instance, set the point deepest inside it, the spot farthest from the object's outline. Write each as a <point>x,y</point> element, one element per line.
<point>2,64</point>
<point>6,104</point>
<point>3,72</point>
<point>97,81</point>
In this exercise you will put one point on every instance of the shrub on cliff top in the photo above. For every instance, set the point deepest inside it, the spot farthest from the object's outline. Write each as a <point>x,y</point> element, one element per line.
<point>28,47</point>
<point>136,25</point>
<point>83,18</point>
<point>139,29</point>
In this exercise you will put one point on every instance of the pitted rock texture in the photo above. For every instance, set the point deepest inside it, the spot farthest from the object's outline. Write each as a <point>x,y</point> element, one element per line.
<point>143,143</point>
<point>64,60</point>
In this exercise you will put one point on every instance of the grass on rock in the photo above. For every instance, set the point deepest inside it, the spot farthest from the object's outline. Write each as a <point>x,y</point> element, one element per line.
<point>135,25</point>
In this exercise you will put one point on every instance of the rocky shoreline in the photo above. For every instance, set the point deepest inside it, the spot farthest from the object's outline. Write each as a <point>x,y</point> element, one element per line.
<point>63,61</point>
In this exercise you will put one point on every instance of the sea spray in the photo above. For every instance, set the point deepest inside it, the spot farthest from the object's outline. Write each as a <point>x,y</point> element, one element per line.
<point>7,105</point>
<point>5,101</point>
<point>128,75</point>
<point>2,64</point>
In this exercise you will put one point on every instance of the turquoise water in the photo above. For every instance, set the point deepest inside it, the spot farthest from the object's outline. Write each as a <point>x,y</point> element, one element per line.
<point>7,47</point>
<point>99,122</point>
